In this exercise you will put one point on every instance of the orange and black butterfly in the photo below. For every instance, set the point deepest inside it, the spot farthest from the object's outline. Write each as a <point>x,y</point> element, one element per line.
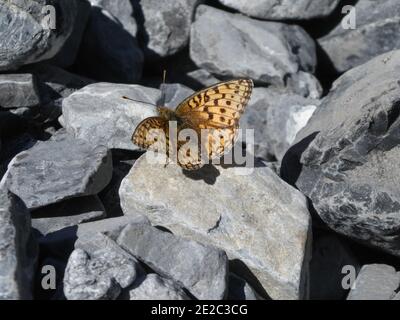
<point>215,110</point>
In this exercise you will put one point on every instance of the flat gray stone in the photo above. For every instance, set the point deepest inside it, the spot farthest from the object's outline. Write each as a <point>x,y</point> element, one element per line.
<point>17,249</point>
<point>269,52</point>
<point>24,36</point>
<point>286,116</point>
<point>283,10</point>
<point>244,211</point>
<point>18,91</point>
<point>375,282</point>
<point>166,26</point>
<point>98,114</point>
<point>110,227</point>
<point>58,83</point>
<point>376,32</point>
<point>100,273</point>
<point>154,287</point>
<point>345,159</point>
<point>201,269</point>
<point>55,84</point>
<point>57,170</point>
<point>67,213</point>
<point>275,116</point>
<point>89,236</point>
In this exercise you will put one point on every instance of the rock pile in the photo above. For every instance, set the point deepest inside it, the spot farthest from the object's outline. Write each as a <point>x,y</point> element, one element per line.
<point>85,214</point>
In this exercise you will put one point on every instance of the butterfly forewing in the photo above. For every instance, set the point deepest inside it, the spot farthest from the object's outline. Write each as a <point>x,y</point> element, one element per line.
<point>219,106</point>
<point>217,109</point>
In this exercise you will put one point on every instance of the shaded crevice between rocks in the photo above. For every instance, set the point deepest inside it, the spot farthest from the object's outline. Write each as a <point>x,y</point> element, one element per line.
<point>393,114</point>
<point>240,268</point>
<point>291,163</point>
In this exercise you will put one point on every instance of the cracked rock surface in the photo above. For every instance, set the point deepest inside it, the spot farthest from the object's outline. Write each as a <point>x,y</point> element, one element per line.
<point>269,52</point>
<point>345,159</point>
<point>233,212</point>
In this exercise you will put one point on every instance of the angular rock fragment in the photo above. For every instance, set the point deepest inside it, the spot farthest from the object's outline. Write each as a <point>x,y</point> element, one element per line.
<point>201,269</point>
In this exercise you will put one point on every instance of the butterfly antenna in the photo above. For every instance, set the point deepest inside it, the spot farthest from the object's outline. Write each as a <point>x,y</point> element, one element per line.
<point>127,98</point>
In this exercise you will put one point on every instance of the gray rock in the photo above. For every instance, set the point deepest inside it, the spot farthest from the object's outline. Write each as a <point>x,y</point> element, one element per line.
<point>302,83</point>
<point>67,213</point>
<point>154,287</point>
<point>255,119</point>
<point>99,115</point>
<point>17,249</point>
<point>269,52</point>
<point>115,48</point>
<point>111,227</point>
<point>89,236</point>
<point>201,269</point>
<point>345,159</point>
<point>175,93</point>
<point>201,78</point>
<point>375,33</point>
<point>330,256</point>
<point>286,116</point>
<point>244,211</point>
<point>58,83</point>
<point>165,25</point>
<point>283,10</point>
<point>375,282</point>
<point>239,289</point>
<point>25,35</point>
<point>55,84</point>
<point>101,274</point>
<point>57,170</point>
<point>275,116</point>
<point>18,90</point>
<point>305,84</point>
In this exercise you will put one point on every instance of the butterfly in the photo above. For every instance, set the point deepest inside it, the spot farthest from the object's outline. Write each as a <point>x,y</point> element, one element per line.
<point>215,111</point>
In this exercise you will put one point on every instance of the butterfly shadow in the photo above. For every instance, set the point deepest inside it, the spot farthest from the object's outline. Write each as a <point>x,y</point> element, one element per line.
<point>256,163</point>
<point>208,173</point>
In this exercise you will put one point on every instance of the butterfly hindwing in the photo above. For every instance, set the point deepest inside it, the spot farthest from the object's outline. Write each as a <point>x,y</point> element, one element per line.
<point>150,131</point>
